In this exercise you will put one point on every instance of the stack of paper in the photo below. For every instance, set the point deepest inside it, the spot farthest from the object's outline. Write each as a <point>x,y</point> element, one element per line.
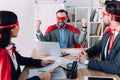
<point>59,61</point>
<point>57,74</point>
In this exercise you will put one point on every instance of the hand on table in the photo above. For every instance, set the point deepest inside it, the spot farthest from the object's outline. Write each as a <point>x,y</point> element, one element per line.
<point>82,56</point>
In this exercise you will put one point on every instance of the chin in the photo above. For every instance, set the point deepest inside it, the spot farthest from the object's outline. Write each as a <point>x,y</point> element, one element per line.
<point>61,24</point>
<point>14,36</point>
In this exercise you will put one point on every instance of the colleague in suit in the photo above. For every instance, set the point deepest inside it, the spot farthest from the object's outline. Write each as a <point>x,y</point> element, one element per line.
<point>109,46</point>
<point>67,35</point>
<point>10,59</point>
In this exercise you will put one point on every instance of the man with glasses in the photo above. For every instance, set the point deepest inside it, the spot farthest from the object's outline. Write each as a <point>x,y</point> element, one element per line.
<point>109,46</point>
<point>67,35</point>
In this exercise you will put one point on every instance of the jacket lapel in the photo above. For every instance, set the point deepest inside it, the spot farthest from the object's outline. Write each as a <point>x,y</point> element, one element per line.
<point>67,36</point>
<point>105,40</point>
<point>116,40</point>
<point>57,35</point>
<point>114,45</point>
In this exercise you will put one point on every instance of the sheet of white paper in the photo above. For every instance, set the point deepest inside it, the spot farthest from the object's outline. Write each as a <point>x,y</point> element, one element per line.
<point>57,74</point>
<point>52,66</point>
<point>72,52</point>
<point>63,62</point>
<point>33,72</point>
<point>59,61</point>
<point>51,48</point>
<point>81,66</point>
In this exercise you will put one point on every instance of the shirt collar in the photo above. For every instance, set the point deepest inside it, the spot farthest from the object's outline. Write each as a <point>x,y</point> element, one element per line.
<point>9,46</point>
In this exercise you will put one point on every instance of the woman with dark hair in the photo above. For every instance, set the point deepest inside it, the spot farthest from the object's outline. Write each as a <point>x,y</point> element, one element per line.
<point>10,59</point>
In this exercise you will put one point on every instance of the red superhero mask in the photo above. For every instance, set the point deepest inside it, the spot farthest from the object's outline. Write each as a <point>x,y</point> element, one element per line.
<point>63,19</point>
<point>9,26</point>
<point>103,14</point>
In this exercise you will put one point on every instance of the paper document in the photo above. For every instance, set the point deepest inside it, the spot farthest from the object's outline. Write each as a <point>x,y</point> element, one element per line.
<point>59,61</point>
<point>52,66</point>
<point>51,48</point>
<point>57,74</point>
<point>33,72</point>
<point>63,62</point>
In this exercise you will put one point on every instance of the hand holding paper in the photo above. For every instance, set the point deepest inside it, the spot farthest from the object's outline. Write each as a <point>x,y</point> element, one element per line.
<point>47,62</point>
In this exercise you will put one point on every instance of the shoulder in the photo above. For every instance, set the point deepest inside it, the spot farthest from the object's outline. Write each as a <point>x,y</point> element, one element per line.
<point>51,28</point>
<point>72,28</point>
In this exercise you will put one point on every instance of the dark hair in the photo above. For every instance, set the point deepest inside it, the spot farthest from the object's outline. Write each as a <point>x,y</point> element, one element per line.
<point>6,18</point>
<point>61,11</point>
<point>113,7</point>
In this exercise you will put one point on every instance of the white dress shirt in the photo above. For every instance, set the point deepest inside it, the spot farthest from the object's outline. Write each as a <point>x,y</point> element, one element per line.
<point>12,55</point>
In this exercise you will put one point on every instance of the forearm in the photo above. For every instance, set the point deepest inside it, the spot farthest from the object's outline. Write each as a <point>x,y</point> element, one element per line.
<point>104,66</point>
<point>82,37</point>
<point>40,36</point>
<point>28,61</point>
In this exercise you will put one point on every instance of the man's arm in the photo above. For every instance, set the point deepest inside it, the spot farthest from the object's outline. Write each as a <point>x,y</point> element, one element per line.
<point>81,38</point>
<point>110,66</point>
<point>39,34</point>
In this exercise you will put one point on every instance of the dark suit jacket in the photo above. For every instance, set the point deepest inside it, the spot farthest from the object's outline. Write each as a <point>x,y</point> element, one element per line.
<point>112,63</point>
<point>26,62</point>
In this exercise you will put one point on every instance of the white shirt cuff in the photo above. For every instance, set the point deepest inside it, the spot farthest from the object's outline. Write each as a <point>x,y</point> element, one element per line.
<point>86,62</point>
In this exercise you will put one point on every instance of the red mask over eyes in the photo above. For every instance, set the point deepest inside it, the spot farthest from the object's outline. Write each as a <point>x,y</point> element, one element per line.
<point>61,18</point>
<point>103,14</point>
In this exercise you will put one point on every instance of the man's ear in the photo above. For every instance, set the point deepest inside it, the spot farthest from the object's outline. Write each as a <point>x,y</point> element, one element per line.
<point>111,16</point>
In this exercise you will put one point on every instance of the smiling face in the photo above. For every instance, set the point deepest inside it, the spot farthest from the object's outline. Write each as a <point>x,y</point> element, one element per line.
<point>61,18</point>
